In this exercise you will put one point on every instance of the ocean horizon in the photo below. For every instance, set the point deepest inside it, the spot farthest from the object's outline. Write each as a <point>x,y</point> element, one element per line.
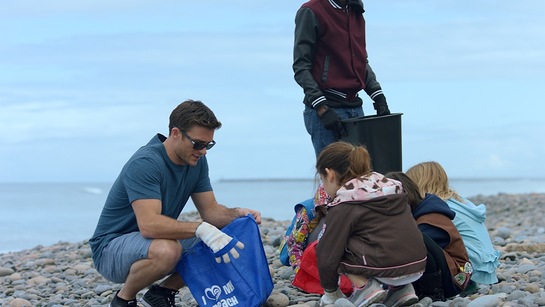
<point>47,213</point>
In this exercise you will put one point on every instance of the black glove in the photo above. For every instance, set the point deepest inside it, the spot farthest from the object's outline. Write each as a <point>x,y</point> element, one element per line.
<point>381,106</point>
<point>331,121</point>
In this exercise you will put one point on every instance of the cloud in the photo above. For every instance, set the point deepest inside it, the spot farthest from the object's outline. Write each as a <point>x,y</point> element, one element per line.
<point>50,120</point>
<point>36,8</point>
<point>92,81</point>
<point>495,161</point>
<point>453,40</point>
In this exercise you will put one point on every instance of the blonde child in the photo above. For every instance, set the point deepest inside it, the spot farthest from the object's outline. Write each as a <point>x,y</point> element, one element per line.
<point>448,269</point>
<point>431,177</point>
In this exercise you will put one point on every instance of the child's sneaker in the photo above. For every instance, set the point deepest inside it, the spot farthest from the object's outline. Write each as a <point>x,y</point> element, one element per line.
<point>371,293</point>
<point>400,296</point>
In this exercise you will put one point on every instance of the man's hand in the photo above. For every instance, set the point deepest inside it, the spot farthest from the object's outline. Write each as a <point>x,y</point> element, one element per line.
<point>245,212</point>
<point>217,240</point>
<point>331,120</point>
<point>381,106</point>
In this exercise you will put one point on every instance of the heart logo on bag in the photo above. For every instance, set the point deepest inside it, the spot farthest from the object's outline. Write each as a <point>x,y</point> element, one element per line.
<point>213,293</point>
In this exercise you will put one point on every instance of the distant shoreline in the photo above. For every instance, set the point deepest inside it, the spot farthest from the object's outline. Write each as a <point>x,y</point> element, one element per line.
<point>452,180</point>
<point>227,180</point>
<point>275,179</point>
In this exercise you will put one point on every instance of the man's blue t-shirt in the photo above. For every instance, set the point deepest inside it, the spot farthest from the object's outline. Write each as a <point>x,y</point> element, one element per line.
<point>149,174</point>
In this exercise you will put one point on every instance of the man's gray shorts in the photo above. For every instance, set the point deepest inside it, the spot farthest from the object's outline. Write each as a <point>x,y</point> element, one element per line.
<point>119,255</point>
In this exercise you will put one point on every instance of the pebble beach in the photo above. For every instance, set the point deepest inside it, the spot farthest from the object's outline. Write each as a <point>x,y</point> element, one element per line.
<point>63,274</point>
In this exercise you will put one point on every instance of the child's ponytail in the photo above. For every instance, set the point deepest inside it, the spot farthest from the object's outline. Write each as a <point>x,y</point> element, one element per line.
<point>347,160</point>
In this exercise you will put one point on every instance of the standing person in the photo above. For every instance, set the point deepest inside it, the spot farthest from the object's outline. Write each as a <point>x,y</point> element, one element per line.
<point>330,64</point>
<point>138,240</point>
<point>448,269</point>
<point>369,235</point>
<point>431,177</point>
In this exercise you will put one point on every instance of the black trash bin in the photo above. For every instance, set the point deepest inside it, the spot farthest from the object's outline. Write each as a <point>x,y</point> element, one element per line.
<point>381,135</point>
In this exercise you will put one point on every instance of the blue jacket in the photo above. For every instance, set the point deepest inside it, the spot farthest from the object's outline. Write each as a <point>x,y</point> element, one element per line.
<point>469,221</point>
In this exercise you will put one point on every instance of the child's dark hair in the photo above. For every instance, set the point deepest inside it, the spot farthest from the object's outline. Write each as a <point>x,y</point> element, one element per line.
<point>413,193</point>
<point>347,160</point>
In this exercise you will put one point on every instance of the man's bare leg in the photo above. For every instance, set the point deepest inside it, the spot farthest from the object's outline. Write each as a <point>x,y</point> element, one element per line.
<point>163,255</point>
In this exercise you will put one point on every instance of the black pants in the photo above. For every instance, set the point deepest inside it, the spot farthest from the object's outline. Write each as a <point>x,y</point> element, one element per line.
<point>437,281</point>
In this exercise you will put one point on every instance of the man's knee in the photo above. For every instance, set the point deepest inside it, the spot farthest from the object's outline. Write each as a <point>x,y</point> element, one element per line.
<point>165,250</point>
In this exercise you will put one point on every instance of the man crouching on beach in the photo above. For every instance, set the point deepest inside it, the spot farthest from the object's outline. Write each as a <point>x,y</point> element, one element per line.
<point>138,240</point>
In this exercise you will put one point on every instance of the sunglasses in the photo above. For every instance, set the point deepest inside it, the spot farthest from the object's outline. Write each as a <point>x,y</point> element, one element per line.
<point>199,145</point>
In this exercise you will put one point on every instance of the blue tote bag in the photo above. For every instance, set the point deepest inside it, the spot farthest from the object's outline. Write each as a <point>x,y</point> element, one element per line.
<point>245,281</point>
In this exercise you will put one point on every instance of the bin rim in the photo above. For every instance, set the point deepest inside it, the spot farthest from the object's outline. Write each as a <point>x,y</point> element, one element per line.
<point>370,117</point>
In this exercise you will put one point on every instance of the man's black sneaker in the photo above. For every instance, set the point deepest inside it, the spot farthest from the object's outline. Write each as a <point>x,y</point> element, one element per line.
<point>119,302</point>
<point>159,297</point>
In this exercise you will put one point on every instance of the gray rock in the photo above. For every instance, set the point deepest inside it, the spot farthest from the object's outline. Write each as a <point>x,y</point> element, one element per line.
<point>277,300</point>
<point>6,271</point>
<point>343,302</point>
<point>18,302</point>
<point>485,301</point>
<point>286,272</point>
<point>63,274</point>
<point>503,232</point>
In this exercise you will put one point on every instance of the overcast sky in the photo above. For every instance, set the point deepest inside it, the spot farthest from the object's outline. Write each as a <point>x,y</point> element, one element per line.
<point>83,84</point>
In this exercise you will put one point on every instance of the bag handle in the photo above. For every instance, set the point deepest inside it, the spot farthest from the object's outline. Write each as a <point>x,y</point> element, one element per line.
<point>227,247</point>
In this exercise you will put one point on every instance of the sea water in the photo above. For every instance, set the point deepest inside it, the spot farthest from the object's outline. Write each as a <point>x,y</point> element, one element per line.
<point>45,213</point>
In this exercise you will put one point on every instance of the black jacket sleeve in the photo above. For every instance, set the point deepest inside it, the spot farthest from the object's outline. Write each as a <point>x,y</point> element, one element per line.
<point>372,87</point>
<point>306,35</point>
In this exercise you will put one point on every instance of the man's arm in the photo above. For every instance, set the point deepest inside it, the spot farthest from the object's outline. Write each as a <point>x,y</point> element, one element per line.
<point>154,225</point>
<point>306,35</point>
<point>372,86</point>
<point>219,215</point>
<point>374,90</point>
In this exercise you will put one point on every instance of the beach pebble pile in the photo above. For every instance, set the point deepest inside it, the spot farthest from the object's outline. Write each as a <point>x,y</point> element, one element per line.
<point>63,274</point>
